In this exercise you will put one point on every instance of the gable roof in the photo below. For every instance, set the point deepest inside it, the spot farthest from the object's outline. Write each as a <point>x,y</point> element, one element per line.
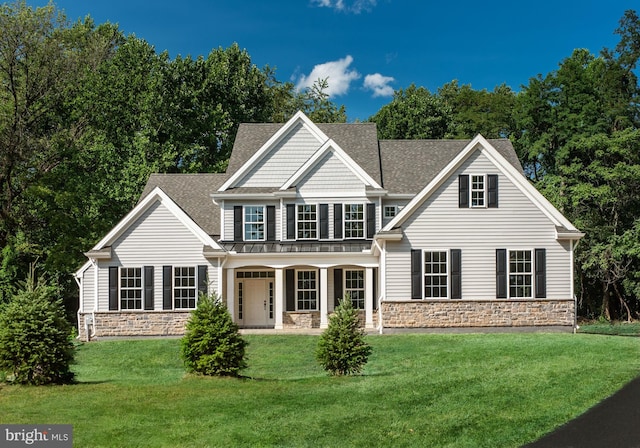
<point>409,165</point>
<point>358,140</point>
<point>191,192</point>
<point>513,173</point>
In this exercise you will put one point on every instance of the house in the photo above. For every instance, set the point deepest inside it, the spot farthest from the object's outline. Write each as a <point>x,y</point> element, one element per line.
<point>419,233</point>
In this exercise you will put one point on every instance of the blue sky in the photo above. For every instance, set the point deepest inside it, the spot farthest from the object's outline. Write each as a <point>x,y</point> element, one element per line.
<point>368,48</point>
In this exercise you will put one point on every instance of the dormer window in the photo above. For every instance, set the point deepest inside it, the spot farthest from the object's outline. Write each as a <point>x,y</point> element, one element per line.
<point>307,222</point>
<point>254,223</point>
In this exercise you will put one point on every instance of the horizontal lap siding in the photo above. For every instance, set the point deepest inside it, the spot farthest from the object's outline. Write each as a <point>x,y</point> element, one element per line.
<point>283,160</point>
<point>88,291</point>
<point>440,224</point>
<point>331,175</point>
<point>156,239</point>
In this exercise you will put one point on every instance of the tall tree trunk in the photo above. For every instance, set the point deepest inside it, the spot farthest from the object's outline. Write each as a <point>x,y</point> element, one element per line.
<point>606,312</point>
<point>622,301</point>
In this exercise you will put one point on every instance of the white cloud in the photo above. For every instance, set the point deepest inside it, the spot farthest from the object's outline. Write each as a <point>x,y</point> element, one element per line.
<point>354,6</point>
<point>379,84</point>
<point>337,74</point>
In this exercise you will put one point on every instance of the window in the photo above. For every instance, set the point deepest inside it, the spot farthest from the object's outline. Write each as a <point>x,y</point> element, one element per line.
<point>184,287</point>
<point>354,286</point>
<point>307,222</point>
<point>131,288</point>
<point>477,191</point>
<point>254,223</point>
<point>390,211</point>
<point>435,274</point>
<point>307,290</point>
<point>520,273</point>
<point>354,221</point>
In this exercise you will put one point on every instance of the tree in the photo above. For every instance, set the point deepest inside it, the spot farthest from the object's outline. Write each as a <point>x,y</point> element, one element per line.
<point>35,337</point>
<point>211,344</point>
<point>342,349</point>
<point>479,111</point>
<point>413,113</point>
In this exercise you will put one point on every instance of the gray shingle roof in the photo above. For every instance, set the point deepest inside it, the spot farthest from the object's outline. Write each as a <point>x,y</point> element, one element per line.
<point>192,193</point>
<point>409,165</point>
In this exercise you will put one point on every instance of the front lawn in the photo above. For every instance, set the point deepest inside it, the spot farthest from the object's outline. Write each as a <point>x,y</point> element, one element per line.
<point>495,390</point>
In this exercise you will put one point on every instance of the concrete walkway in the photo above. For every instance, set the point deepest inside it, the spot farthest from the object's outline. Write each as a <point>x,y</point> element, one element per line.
<point>614,422</point>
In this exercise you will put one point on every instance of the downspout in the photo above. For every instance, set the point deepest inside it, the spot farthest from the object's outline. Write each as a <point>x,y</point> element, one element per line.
<point>573,294</point>
<point>94,262</point>
<point>383,281</point>
<point>81,296</point>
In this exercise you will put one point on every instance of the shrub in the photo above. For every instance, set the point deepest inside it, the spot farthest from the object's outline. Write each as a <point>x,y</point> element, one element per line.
<point>35,337</point>
<point>212,344</point>
<point>342,349</point>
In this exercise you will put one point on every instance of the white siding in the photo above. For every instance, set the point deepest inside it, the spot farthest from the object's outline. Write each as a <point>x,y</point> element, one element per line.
<point>439,224</point>
<point>88,292</point>
<point>283,160</point>
<point>156,239</point>
<point>330,176</point>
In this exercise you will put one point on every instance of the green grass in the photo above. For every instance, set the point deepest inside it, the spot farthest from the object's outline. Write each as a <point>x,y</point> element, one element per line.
<point>497,390</point>
<point>611,328</point>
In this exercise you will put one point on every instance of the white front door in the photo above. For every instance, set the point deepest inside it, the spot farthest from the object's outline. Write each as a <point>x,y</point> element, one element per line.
<point>257,302</point>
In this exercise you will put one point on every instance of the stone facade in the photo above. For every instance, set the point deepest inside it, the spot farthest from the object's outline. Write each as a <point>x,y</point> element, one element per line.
<point>118,324</point>
<point>478,313</point>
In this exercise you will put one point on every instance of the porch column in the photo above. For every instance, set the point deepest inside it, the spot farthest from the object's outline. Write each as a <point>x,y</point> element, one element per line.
<point>324,298</point>
<point>279,298</point>
<point>231,293</point>
<point>368,297</point>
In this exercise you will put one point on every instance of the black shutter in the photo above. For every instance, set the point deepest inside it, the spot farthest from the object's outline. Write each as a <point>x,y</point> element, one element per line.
<point>337,221</point>
<point>337,286</point>
<point>113,288</point>
<point>493,191</point>
<point>290,286</point>
<point>148,287</point>
<point>291,221</point>
<point>237,223</point>
<point>501,273</point>
<point>167,287</point>
<point>371,220</point>
<point>271,223</point>
<point>456,273</point>
<point>463,191</point>
<point>416,274</point>
<point>541,273</point>
<point>203,280</point>
<point>324,221</point>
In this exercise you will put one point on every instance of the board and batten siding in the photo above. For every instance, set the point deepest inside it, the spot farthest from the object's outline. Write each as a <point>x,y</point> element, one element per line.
<point>516,224</point>
<point>157,238</point>
<point>283,160</point>
<point>330,176</point>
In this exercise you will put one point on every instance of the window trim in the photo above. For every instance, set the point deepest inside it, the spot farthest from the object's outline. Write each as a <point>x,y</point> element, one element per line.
<point>298,290</point>
<point>315,222</point>
<point>363,221</point>
<point>347,290</point>
<point>174,287</point>
<point>140,288</point>
<point>263,222</point>
<point>472,190</point>
<point>385,215</point>
<point>531,273</point>
<point>448,274</point>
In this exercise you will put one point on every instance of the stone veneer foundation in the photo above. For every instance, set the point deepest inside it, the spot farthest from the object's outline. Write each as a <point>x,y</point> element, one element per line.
<point>405,314</point>
<point>478,313</point>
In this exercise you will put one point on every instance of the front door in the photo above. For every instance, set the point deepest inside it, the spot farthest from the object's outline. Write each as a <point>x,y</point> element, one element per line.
<point>258,306</point>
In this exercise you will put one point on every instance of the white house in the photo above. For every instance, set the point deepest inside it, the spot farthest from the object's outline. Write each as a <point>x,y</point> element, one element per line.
<point>419,233</point>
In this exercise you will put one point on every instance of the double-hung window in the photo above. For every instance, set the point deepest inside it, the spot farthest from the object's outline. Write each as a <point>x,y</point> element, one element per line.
<point>184,287</point>
<point>254,223</point>
<point>354,221</point>
<point>307,222</point>
<point>131,288</point>
<point>520,273</point>
<point>307,290</point>
<point>435,274</point>
<point>477,191</point>
<point>354,286</point>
